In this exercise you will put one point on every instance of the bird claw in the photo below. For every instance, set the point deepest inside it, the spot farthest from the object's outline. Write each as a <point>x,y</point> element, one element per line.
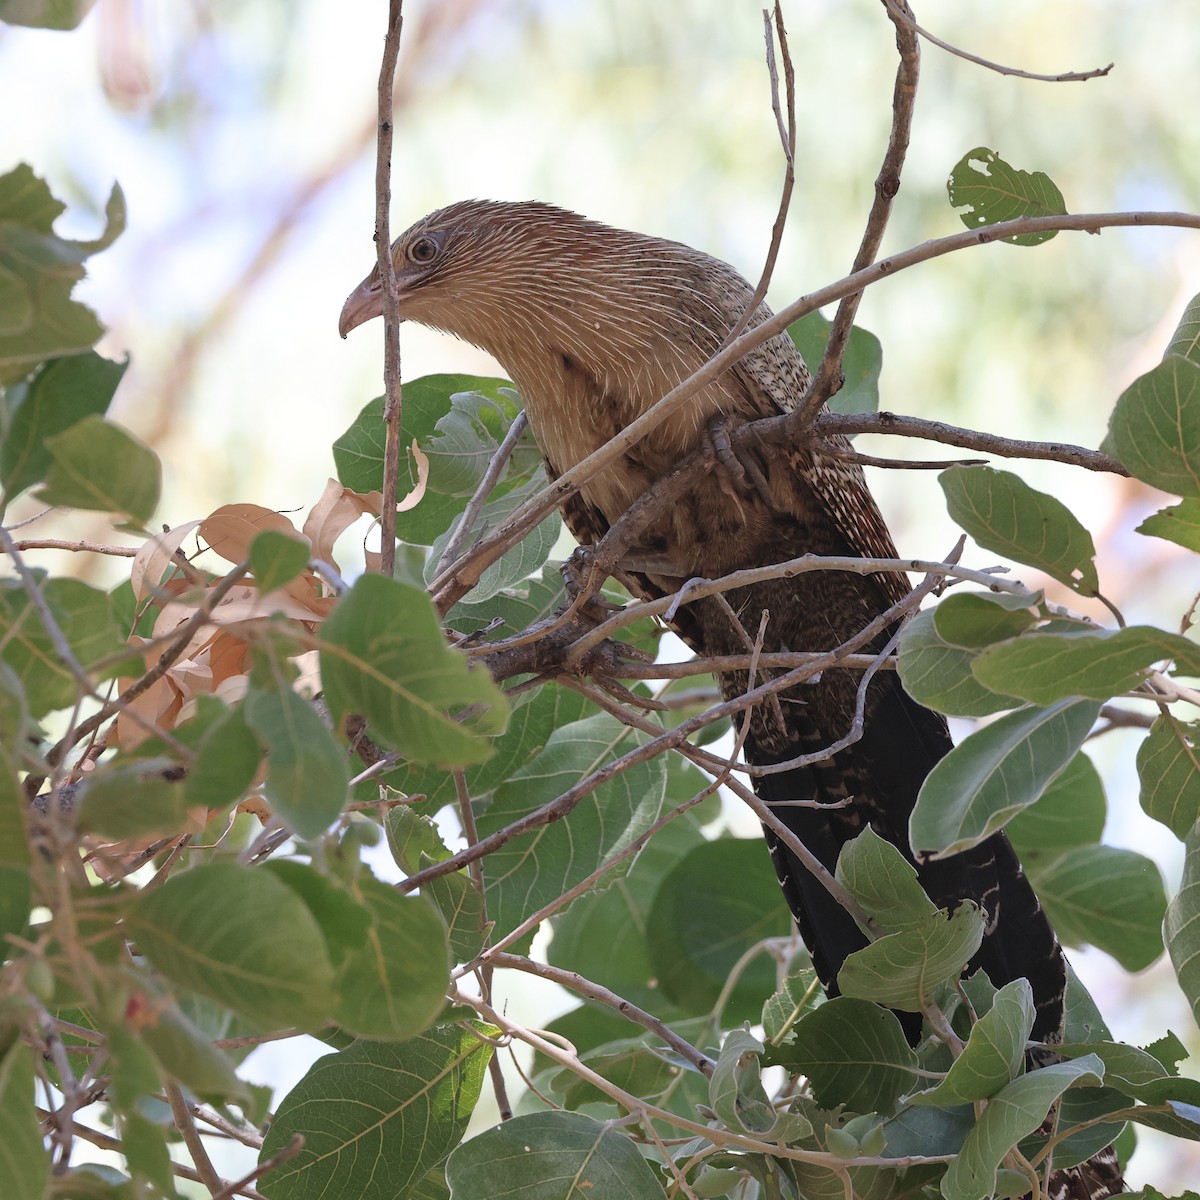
<point>578,580</point>
<point>738,463</point>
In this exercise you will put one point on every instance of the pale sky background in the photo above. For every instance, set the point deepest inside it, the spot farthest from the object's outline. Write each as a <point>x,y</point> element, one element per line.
<point>242,133</point>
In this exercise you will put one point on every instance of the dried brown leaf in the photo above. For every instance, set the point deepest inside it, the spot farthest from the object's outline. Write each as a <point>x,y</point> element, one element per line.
<point>154,557</point>
<point>414,497</point>
<point>334,513</point>
<point>232,527</point>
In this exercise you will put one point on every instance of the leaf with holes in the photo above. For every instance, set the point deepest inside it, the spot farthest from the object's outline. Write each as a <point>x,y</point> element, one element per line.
<point>988,190</point>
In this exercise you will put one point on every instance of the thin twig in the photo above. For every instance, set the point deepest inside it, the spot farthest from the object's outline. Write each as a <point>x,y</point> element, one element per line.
<point>1000,69</point>
<point>483,970</point>
<point>953,435</point>
<point>78,547</point>
<point>241,1187</point>
<point>787,138</point>
<point>904,100</point>
<point>575,982</point>
<point>193,1141</point>
<point>487,484</point>
<point>391,296</point>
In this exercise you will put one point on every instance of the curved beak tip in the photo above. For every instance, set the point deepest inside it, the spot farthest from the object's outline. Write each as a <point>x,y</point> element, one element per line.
<point>365,302</point>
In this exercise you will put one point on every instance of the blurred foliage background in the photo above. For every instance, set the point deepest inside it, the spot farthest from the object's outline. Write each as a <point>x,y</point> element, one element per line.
<point>243,135</point>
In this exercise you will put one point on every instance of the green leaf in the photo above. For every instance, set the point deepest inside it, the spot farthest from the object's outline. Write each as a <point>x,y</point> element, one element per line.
<point>797,995</point>
<point>551,1156</point>
<point>45,14</point>
<point>63,391</point>
<point>902,970</point>
<point>1070,812</point>
<point>383,655</point>
<point>134,1083</point>
<point>861,365</point>
<point>1185,341</point>
<point>38,270</point>
<point>83,614</point>
<point>240,936</point>
<point>465,438</point>
<point>737,1095</point>
<point>277,558</point>
<point>359,452</point>
<point>1004,514</point>
<point>307,771</point>
<point>536,868</point>
<point>16,899</point>
<point>379,1116</point>
<point>1154,430</point>
<point>24,1162</point>
<point>973,620</point>
<point>133,799</point>
<point>343,921</point>
<point>990,190</point>
<point>854,1053</point>
<point>716,903</point>
<point>1082,1021</point>
<point>97,465</point>
<point>186,1054</point>
<point>994,1054</point>
<point>1169,772</point>
<point>995,773</point>
<point>526,558</point>
<point>1013,1113</point>
<point>395,985</point>
<point>1179,523</point>
<point>603,936</point>
<point>883,882</point>
<point>16,732</point>
<point>227,754</point>
<point>1181,929</point>
<point>415,843</point>
<point>1047,667</point>
<point>1109,898</point>
<point>938,674</point>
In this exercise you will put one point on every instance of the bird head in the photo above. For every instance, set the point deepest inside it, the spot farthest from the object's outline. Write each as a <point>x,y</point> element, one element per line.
<point>463,266</point>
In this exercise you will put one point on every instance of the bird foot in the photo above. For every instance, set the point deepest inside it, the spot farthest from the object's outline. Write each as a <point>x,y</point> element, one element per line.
<point>740,469</point>
<point>579,580</point>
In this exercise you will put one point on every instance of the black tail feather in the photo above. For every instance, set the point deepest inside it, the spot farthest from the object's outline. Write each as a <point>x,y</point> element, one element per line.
<point>881,775</point>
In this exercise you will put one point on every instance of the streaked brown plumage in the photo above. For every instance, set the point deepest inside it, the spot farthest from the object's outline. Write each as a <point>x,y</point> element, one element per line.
<point>594,325</point>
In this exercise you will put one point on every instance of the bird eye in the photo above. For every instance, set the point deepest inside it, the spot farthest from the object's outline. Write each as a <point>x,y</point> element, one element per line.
<point>423,250</point>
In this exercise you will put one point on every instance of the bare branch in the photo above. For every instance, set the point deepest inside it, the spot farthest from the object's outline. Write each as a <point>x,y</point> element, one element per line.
<point>391,297</point>
<point>487,484</point>
<point>575,982</point>
<point>904,100</point>
<point>77,547</point>
<point>902,14</point>
<point>951,435</point>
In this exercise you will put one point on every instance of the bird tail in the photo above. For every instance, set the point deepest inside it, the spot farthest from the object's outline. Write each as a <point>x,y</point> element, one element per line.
<point>877,779</point>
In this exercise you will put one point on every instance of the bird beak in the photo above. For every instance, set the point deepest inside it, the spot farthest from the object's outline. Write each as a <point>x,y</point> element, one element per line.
<point>364,303</point>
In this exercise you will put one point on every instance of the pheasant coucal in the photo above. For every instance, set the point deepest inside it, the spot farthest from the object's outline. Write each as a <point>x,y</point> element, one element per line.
<point>593,325</point>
